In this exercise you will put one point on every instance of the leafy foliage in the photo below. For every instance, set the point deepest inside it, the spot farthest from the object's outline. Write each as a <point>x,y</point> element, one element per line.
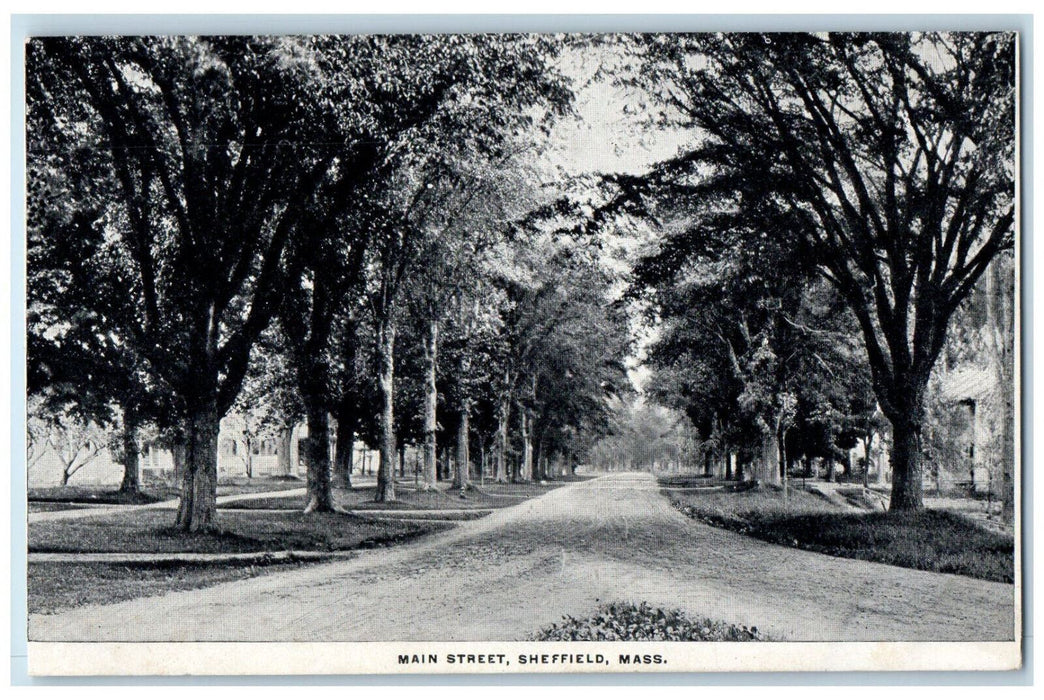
<point>885,161</point>
<point>626,622</point>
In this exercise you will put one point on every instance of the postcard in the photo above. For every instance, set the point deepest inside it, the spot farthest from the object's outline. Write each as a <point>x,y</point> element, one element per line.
<point>523,353</point>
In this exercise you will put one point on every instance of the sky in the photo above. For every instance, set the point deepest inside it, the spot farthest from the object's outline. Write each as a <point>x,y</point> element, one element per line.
<point>604,136</point>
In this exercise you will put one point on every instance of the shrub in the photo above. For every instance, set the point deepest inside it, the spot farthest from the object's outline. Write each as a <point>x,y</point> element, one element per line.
<point>626,622</point>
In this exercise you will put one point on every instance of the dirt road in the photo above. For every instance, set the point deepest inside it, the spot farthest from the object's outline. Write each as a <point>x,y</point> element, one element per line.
<point>507,575</point>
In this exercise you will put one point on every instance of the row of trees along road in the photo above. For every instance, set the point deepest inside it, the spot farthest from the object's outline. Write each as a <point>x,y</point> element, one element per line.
<point>361,227</point>
<point>250,222</point>
<point>872,173</point>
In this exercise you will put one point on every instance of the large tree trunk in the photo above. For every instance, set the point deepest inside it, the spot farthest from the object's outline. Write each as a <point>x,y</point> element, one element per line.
<point>1007,460</point>
<point>179,458</point>
<point>907,486</point>
<point>319,495</point>
<point>431,398</point>
<point>129,454</point>
<point>386,385</point>
<point>768,462</point>
<point>199,487</point>
<point>461,477</point>
<point>286,436</point>
<point>342,472</point>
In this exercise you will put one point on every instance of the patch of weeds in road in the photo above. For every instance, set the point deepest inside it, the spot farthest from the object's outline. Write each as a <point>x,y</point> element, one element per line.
<point>928,540</point>
<point>626,622</point>
<point>56,586</point>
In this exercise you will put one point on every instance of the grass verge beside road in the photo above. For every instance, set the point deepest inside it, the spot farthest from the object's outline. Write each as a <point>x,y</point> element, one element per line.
<point>43,498</point>
<point>94,495</point>
<point>152,531</point>
<point>408,497</point>
<point>928,540</point>
<point>57,586</point>
<point>61,585</point>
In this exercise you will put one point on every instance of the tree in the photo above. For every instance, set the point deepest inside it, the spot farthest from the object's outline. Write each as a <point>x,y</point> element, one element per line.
<point>1001,335</point>
<point>560,348</point>
<point>486,89</point>
<point>212,147</point>
<point>752,346</point>
<point>36,428</point>
<point>469,359</point>
<point>895,154</point>
<point>479,198</point>
<point>331,259</point>
<point>648,437</point>
<point>77,365</point>
<point>76,442</point>
<point>394,109</point>
<point>269,403</point>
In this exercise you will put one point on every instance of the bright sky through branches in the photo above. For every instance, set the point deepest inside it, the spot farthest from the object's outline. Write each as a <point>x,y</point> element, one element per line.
<point>611,132</point>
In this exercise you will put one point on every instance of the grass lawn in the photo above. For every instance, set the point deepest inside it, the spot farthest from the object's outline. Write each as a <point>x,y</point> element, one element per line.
<point>424,516</point>
<point>50,507</point>
<point>409,498</point>
<point>151,531</point>
<point>929,540</point>
<point>238,485</point>
<point>155,492</point>
<point>56,586</point>
<point>689,480</point>
<point>107,495</point>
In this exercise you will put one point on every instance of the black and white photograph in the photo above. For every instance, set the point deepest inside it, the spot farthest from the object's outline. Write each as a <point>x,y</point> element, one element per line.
<point>699,348</point>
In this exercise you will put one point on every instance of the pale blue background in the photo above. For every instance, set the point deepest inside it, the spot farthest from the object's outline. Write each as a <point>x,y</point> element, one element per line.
<point>24,26</point>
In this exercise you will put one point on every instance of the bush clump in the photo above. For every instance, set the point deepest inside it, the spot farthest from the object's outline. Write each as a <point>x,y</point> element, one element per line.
<point>626,622</point>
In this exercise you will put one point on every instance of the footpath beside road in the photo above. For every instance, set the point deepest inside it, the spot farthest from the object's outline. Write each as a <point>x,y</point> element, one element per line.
<point>507,575</point>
